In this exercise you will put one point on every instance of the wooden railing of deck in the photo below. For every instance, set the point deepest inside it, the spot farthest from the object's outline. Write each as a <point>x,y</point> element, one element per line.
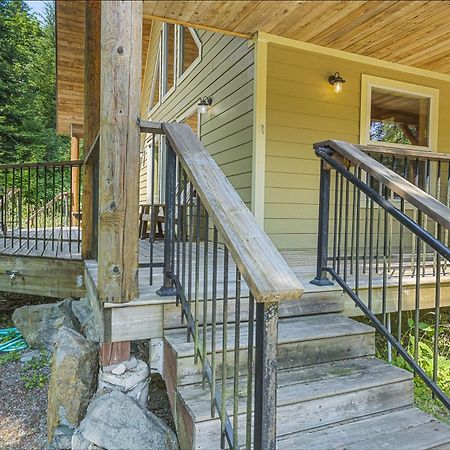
<point>205,210</point>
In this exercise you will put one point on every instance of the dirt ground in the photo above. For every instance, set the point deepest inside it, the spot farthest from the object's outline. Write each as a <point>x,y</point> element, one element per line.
<point>23,390</point>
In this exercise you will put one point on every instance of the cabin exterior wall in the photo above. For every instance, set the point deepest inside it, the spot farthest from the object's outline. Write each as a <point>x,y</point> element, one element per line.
<point>225,73</point>
<point>301,109</point>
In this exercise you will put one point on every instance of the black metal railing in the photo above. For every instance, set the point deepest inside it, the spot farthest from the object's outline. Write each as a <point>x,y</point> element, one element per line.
<point>381,238</point>
<point>221,285</point>
<point>40,208</point>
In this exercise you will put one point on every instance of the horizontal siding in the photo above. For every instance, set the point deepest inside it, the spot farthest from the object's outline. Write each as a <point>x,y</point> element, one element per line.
<point>302,109</point>
<point>225,73</point>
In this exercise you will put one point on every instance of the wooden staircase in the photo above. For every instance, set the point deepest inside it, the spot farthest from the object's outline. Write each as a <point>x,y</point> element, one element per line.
<point>332,391</point>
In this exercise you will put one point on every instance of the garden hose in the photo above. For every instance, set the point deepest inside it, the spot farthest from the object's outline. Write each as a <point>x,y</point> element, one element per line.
<point>11,340</point>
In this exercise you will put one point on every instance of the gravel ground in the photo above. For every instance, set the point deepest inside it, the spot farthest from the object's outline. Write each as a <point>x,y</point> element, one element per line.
<point>23,411</point>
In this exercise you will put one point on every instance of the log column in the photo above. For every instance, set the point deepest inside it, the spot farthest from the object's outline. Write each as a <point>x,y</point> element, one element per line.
<point>91,119</point>
<point>75,201</point>
<point>120,69</point>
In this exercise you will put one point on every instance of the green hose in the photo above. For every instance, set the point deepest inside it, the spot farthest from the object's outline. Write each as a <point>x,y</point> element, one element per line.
<point>11,340</point>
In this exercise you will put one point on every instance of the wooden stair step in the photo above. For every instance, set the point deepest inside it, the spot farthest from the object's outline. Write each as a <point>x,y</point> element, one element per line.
<point>308,397</point>
<point>302,341</point>
<point>407,428</point>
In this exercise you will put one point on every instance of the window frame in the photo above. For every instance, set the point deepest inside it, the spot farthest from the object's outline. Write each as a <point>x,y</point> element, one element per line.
<point>156,69</point>
<point>368,82</point>
<point>179,52</point>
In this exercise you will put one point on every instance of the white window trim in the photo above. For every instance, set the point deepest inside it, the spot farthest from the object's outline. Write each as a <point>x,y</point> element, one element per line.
<point>368,82</point>
<point>164,55</point>
<point>153,86</point>
<point>150,162</point>
<point>182,76</point>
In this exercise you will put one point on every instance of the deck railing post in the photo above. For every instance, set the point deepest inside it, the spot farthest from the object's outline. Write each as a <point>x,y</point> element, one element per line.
<point>168,289</point>
<point>265,415</point>
<point>322,233</point>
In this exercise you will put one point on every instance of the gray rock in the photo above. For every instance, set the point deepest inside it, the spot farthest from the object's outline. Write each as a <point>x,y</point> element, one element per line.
<point>29,355</point>
<point>83,312</point>
<point>39,324</point>
<point>73,381</point>
<point>115,421</point>
<point>80,443</point>
<point>133,382</point>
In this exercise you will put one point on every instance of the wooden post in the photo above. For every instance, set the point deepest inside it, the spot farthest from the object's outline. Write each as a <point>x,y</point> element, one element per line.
<point>121,42</point>
<point>91,117</point>
<point>75,156</point>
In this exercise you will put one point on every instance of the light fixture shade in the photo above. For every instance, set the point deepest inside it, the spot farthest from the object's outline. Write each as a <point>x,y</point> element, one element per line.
<point>337,82</point>
<point>203,104</point>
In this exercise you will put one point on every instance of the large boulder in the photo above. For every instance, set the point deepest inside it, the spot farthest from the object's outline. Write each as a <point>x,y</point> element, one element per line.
<point>73,380</point>
<point>115,421</point>
<point>39,324</point>
<point>82,310</point>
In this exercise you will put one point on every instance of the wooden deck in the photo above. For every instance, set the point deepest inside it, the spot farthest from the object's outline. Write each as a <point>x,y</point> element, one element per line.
<point>301,262</point>
<point>58,243</point>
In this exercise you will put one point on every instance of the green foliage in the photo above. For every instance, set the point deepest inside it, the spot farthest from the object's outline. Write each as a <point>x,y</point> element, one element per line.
<point>36,371</point>
<point>27,86</point>
<point>9,357</point>
<point>422,393</point>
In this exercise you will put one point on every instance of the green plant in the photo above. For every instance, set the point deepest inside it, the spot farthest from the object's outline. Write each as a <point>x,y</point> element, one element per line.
<point>35,380</point>
<point>36,371</point>
<point>8,357</point>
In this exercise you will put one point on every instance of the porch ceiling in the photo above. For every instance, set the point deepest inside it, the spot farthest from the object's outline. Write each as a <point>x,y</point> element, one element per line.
<point>414,33</point>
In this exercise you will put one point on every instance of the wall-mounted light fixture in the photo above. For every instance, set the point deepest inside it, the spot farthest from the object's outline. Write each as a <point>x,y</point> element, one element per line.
<point>203,104</point>
<point>337,81</point>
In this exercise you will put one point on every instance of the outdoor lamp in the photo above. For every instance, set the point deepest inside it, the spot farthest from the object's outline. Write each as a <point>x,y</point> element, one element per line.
<point>203,104</point>
<point>337,81</point>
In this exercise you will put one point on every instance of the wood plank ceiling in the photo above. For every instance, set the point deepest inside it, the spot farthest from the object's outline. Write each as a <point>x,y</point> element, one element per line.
<point>414,33</point>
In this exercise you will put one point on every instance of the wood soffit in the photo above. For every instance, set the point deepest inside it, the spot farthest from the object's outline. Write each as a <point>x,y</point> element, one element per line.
<point>413,33</point>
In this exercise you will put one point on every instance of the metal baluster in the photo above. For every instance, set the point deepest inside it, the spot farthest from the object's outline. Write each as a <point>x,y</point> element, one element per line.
<point>370,253</point>
<point>417,297</point>
<point>185,225</point>
<point>213,319</point>
<point>36,209</point>
<point>438,196</point>
<point>224,348</point>
<point>5,209</point>
<point>152,231</point>
<point>353,239</point>
<point>205,294</point>
<point>400,263</point>
<point>61,232</point>
<point>179,223</point>
<point>70,210</point>
<point>45,205</point>
<point>437,310</point>
<point>197,282</point>
<point>13,201</point>
<point>385,257</point>
<point>237,329</point>
<point>347,199</point>
<point>341,195</point>
<point>358,207</point>
<point>53,206</point>
<point>250,345</point>
<point>191,237</point>
<point>20,206</point>
<point>335,218</point>
<point>425,217</point>
<point>366,225</point>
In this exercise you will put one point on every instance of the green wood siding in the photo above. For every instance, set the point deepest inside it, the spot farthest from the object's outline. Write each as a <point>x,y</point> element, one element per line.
<point>302,109</point>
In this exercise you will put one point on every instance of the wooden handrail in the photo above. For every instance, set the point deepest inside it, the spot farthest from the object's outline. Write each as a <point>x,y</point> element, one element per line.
<point>396,183</point>
<point>77,162</point>
<point>405,153</point>
<point>151,127</point>
<point>266,273</point>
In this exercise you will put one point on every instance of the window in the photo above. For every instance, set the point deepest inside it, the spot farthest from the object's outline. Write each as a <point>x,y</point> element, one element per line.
<point>188,49</point>
<point>398,114</point>
<point>155,87</point>
<point>168,57</point>
<point>178,52</point>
